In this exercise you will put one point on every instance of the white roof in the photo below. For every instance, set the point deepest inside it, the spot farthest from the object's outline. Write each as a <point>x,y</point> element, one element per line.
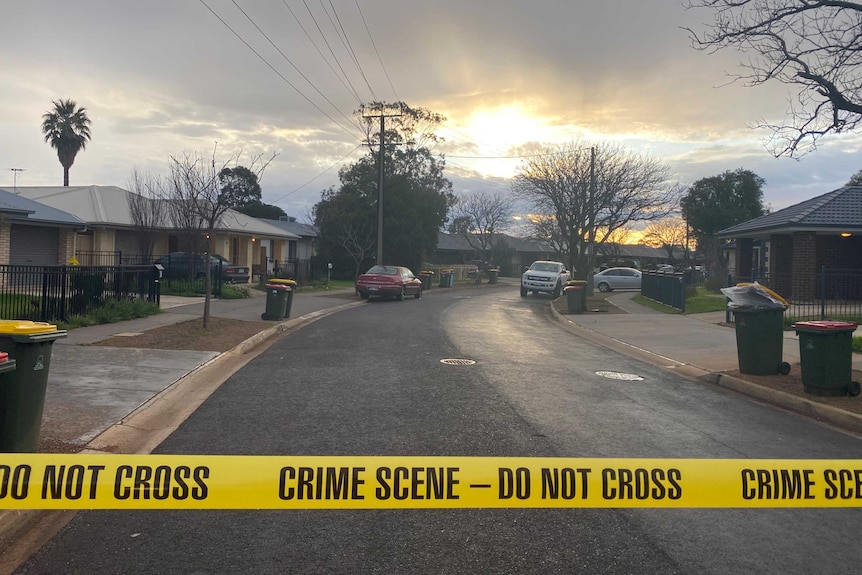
<point>109,206</point>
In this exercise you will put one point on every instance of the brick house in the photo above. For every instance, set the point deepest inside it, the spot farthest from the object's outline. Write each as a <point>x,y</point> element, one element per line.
<point>98,221</point>
<point>790,247</point>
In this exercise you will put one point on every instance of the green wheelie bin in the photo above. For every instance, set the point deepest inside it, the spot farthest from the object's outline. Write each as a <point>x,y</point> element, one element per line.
<point>276,302</point>
<point>425,278</point>
<point>760,340</point>
<point>22,389</point>
<point>292,285</point>
<point>826,355</point>
<point>576,296</point>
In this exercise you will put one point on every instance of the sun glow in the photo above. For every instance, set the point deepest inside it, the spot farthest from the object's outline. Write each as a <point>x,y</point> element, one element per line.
<point>495,134</point>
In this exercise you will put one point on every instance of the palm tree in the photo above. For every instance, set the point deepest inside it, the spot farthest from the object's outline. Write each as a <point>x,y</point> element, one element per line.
<point>66,128</point>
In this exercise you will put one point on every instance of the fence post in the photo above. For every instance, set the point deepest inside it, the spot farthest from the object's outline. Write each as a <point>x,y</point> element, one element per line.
<point>823,292</point>
<point>727,300</point>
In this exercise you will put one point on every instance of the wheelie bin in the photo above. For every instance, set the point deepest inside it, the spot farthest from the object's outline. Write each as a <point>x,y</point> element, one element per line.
<point>22,389</point>
<point>292,285</point>
<point>576,296</point>
<point>276,302</point>
<point>492,275</point>
<point>446,278</point>
<point>826,355</point>
<point>759,318</point>
<point>425,278</point>
<point>760,340</point>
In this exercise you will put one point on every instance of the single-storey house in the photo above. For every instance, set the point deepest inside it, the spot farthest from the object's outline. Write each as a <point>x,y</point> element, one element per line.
<point>32,233</point>
<point>790,246</point>
<point>104,225</point>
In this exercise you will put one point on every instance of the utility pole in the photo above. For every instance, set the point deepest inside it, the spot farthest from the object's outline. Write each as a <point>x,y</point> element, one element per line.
<point>382,115</point>
<point>592,216</point>
<point>15,179</point>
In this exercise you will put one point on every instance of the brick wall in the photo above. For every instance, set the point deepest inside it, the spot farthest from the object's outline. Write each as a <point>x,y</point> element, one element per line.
<point>781,265</point>
<point>804,266</point>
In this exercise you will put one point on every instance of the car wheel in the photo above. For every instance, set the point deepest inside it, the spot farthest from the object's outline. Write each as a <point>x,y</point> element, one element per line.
<point>557,290</point>
<point>523,292</point>
<point>400,296</point>
<point>604,287</point>
<point>363,295</point>
<point>418,293</point>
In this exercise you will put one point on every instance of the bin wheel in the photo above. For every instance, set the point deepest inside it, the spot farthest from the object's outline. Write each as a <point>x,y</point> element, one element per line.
<point>854,388</point>
<point>783,368</point>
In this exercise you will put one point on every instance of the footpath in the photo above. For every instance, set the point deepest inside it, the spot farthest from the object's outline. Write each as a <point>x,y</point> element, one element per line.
<point>126,400</point>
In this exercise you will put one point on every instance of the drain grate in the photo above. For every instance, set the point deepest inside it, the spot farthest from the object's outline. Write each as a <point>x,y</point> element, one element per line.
<point>620,376</point>
<point>457,361</point>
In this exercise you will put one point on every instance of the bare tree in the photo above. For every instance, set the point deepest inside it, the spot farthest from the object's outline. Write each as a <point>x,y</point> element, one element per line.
<point>593,191</point>
<point>359,242</point>
<point>147,209</point>
<point>613,247</point>
<point>669,234</point>
<point>478,216</point>
<point>198,198</point>
<point>815,46</point>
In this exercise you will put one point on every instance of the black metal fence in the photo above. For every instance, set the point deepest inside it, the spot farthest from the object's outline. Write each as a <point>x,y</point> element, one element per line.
<point>55,293</point>
<point>666,288</point>
<point>827,294</point>
<point>303,271</point>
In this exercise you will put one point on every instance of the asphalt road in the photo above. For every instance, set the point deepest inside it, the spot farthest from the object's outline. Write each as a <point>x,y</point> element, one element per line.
<point>369,381</point>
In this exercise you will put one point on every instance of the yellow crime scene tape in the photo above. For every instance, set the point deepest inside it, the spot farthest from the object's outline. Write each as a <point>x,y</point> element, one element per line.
<point>84,481</point>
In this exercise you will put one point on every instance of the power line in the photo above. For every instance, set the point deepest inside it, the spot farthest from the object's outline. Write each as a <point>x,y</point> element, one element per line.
<point>320,53</point>
<point>346,41</point>
<point>283,55</point>
<point>271,67</point>
<point>318,175</point>
<point>325,41</point>
<point>370,37</point>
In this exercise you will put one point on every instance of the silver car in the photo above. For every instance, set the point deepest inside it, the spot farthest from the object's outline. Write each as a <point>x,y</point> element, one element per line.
<point>617,278</point>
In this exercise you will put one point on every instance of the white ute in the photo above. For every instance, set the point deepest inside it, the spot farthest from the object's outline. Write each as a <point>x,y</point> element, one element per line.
<point>543,276</point>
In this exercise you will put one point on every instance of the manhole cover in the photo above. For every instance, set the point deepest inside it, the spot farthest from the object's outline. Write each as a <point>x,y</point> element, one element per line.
<point>618,375</point>
<point>457,361</point>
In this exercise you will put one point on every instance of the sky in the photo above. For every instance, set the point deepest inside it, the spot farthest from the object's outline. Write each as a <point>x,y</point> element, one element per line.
<point>257,78</point>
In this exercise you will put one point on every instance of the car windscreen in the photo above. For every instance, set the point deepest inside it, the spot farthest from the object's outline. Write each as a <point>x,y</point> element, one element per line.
<point>541,267</point>
<point>383,270</point>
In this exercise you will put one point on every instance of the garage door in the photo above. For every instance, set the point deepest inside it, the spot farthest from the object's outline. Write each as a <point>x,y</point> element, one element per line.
<point>34,245</point>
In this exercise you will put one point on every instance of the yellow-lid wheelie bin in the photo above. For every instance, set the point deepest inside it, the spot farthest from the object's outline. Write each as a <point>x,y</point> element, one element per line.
<point>22,390</point>
<point>292,285</point>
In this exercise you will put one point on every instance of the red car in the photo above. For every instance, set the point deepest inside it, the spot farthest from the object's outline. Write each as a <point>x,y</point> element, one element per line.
<point>382,281</point>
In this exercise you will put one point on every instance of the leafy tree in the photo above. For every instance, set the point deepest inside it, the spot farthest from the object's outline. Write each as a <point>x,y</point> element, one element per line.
<point>478,216</point>
<point>719,202</point>
<point>261,210</point>
<point>855,179</point>
<point>813,46</point>
<point>67,128</point>
<point>240,185</point>
<point>416,195</point>
<point>579,191</point>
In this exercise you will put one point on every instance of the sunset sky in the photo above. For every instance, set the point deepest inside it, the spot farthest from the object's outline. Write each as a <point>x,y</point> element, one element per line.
<point>161,78</point>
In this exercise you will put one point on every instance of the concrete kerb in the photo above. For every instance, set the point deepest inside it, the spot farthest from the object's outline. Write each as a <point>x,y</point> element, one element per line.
<point>799,405</point>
